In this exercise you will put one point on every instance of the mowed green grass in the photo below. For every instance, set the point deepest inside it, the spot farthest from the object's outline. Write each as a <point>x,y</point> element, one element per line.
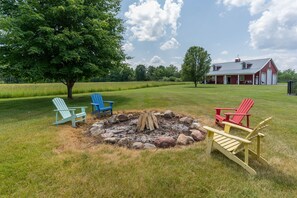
<point>37,159</point>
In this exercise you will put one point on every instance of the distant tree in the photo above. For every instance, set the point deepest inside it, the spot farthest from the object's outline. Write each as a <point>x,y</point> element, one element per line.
<point>150,74</point>
<point>140,73</point>
<point>160,72</point>
<point>286,75</point>
<point>61,40</point>
<point>196,64</point>
<point>172,70</point>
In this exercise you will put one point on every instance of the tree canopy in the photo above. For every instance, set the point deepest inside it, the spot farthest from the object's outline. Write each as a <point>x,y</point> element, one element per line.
<point>64,40</point>
<point>196,64</point>
<point>287,75</point>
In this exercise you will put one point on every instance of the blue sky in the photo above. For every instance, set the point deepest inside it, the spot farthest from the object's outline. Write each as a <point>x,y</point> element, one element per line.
<point>160,32</point>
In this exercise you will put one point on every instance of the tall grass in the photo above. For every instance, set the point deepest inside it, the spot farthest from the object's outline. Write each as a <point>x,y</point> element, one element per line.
<point>45,89</point>
<point>38,159</point>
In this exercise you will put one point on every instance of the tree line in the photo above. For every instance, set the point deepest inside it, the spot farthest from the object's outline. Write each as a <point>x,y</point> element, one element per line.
<point>287,75</point>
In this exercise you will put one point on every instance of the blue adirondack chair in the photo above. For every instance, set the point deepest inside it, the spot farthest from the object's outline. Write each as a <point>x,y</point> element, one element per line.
<point>68,113</point>
<point>98,104</point>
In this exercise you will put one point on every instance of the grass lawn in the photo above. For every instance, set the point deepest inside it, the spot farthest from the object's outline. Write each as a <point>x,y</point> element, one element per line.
<point>38,159</point>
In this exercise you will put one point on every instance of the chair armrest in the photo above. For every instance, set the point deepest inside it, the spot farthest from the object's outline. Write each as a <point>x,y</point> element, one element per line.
<point>225,108</point>
<point>237,126</point>
<point>209,129</point>
<point>64,109</point>
<point>79,107</point>
<point>218,110</point>
<point>243,114</point>
<point>109,102</point>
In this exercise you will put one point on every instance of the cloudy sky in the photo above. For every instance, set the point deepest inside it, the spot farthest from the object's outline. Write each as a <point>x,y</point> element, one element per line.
<point>161,31</point>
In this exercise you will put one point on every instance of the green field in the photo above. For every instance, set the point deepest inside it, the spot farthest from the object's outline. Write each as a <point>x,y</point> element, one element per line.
<point>46,89</point>
<point>38,159</point>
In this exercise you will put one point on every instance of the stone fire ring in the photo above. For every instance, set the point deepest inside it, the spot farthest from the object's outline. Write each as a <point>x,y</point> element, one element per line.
<point>125,130</point>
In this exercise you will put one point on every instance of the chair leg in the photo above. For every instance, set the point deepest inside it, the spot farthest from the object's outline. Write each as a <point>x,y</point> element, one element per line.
<point>73,123</point>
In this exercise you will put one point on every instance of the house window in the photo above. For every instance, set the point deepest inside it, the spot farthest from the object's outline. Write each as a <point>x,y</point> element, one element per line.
<point>243,65</point>
<point>246,65</point>
<point>216,68</point>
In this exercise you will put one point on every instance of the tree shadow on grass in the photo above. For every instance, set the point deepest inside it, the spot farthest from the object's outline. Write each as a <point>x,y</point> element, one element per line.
<point>32,108</point>
<point>199,87</point>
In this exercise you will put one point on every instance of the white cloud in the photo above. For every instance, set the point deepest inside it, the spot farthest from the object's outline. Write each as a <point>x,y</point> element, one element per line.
<point>148,21</point>
<point>225,52</point>
<point>156,60</point>
<point>128,47</point>
<point>256,6</point>
<point>276,26</point>
<point>171,44</point>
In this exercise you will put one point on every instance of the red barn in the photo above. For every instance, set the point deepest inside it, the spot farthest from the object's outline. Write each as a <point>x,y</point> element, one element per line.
<point>253,72</point>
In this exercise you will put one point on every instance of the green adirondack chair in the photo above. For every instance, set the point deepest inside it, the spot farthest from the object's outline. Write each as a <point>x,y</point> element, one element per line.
<point>68,113</point>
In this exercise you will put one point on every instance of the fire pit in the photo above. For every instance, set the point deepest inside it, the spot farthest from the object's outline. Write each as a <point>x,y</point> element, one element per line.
<point>145,130</point>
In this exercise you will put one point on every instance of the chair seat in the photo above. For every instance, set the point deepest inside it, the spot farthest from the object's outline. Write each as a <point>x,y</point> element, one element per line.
<point>105,108</point>
<point>225,142</point>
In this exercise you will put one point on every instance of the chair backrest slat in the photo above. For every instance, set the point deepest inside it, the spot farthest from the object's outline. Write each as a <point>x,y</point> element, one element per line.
<point>61,105</point>
<point>255,132</point>
<point>244,107</point>
<point>97,98</point>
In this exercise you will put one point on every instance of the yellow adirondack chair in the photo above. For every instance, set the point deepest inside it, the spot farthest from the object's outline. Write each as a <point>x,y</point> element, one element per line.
<point>230,145</point>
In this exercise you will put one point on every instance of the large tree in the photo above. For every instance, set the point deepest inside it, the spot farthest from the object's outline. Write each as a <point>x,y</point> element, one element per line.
<point>64,40</point>
<point>196,64</point>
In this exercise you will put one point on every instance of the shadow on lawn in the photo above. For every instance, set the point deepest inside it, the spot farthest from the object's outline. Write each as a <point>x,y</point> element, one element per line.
<point>280,179</point>
<point>199,87</point>
<point>32,108</point>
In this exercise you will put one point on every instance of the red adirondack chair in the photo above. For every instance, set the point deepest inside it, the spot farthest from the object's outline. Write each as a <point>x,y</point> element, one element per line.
<point>237,116</point>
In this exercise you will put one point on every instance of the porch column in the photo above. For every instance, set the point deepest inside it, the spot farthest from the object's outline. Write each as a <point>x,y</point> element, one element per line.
<point>238,79</point>
<point>225,79</point>
<point>215,79</point>
<point>253,79</point>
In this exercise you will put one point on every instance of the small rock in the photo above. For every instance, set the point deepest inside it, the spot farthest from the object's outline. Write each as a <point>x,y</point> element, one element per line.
<point>124,142</point>
<point>113,119</point>
<point>195,125</point>
<point>149,146</point>
<point>111,140</point>
<point>168,114</point>
<point>133,122</point>
<point>97,132</point>
<point>184,140</point>
<point>130,116</point>
<point>164,142</point>
<point>122,117</point>
<point>186,120</point>
<point>137,145</point>
<point>143,139</point>
<point>180,128</point>
<point>106,135</point>
<point>197,135</point>
<point>202,130</point>
<point>157,114</point>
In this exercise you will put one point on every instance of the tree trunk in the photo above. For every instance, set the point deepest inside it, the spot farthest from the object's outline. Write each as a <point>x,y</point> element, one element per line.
<point>69,89</point>
<point>195,82</point>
